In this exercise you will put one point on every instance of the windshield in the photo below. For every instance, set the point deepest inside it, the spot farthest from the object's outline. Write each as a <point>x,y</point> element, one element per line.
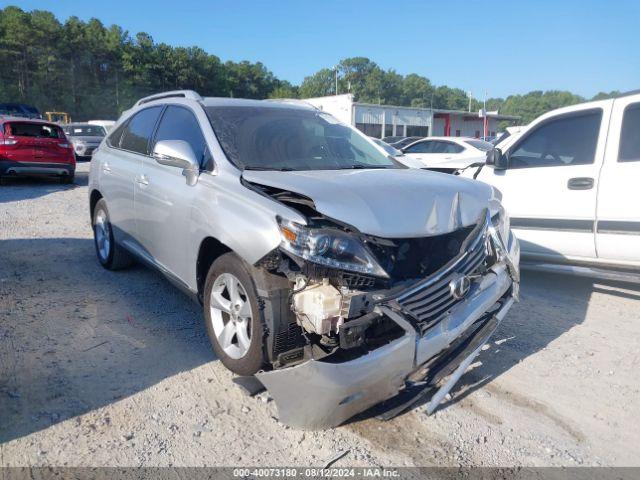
<point>276,138</point>
<point>388,148</point>
<point>480,145</point>
<point>85,130</point>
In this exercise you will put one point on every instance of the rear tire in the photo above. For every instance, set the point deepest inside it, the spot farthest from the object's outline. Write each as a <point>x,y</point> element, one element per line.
<point>233,316</point>
<point>110,255</point>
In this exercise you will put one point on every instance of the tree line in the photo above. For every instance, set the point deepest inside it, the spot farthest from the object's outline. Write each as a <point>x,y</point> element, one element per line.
<point>95,71</point>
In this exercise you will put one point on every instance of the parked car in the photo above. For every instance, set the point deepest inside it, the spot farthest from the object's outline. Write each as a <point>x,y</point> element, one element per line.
<point>570,182</point>
<point>35,147</point>
<point>106,124</point>
<point>398,155</point>
<point>448,154</point>
<point>404,141</point>
<point>85,138</point>
<point>324,268</point>
<point>19,110</point>
<point>392,139</point>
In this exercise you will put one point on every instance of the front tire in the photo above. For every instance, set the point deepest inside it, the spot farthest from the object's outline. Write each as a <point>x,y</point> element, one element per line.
<point>232,315</point>
<point>110,255</point>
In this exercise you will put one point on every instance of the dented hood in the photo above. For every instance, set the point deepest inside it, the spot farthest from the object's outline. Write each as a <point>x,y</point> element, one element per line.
<point>387,203</point>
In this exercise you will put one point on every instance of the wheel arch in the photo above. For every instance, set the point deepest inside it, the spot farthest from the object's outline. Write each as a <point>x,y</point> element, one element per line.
<point>209,250</point>
<point>94,198</point>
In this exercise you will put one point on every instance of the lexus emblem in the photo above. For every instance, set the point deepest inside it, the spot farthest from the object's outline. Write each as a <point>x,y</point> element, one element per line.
<point>459,286</point>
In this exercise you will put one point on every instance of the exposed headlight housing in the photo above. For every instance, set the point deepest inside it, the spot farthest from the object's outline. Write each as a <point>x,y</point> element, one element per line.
<point>329,247</point>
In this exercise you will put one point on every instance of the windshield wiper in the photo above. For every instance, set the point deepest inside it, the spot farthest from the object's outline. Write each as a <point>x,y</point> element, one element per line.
<point>365,167</point>
<point>267,169</point>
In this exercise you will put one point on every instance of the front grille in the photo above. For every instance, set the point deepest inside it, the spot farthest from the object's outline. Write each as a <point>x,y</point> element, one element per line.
<point>430,301</point>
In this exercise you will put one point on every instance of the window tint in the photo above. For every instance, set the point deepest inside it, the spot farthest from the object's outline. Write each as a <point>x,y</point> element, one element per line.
<point>564,141</point>
<point>630,135</point>
<point>114,138</point>
<point>136,134</point>
<point>180,124</point>
<point>36,130</point>
<point>422,147</point>
<point>480,145</point>
<point>447,147</point>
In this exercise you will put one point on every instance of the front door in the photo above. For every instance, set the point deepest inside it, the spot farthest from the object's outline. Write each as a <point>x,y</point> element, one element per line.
<point>163,200</point>
<point>549,188</point>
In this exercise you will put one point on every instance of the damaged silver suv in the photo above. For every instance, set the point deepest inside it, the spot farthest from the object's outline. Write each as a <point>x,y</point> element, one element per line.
<point>336,276</point>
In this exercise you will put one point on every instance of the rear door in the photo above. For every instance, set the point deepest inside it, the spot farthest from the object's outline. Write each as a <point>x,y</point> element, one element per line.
<point>618,225</point>
<point>550,186</point>
<point>120,165</point>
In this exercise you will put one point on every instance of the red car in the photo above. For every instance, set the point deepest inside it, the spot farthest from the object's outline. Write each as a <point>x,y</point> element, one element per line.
<point>35,147</point>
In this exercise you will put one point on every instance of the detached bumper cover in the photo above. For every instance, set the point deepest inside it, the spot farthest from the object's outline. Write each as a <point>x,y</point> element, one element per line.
<point>320,394</point>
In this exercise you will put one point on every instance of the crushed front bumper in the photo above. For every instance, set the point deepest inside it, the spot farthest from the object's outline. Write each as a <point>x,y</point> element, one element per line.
<point>320,394</point>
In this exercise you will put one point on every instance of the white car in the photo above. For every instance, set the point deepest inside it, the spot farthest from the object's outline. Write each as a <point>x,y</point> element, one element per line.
<point>569,181</point>
<point>448,154</point>
<point>398,155</point>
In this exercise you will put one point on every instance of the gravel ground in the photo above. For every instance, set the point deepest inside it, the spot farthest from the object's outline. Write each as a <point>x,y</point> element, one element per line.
<point>103,368</point>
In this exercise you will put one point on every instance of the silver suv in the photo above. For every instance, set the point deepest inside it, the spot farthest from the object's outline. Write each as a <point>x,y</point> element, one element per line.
<point>326,269</point>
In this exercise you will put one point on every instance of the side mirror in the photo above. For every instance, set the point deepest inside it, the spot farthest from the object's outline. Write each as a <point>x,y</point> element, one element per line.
<point>179,154</point>
<point>497,160</point>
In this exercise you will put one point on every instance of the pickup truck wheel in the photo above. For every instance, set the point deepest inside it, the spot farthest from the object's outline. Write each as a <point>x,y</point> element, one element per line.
<point>110,255</point>
<point>232,315</point>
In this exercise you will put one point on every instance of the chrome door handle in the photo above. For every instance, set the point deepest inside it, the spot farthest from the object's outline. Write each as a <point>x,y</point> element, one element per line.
<point>106,168</point>
<point>580,183</point>
<point>142,180</point>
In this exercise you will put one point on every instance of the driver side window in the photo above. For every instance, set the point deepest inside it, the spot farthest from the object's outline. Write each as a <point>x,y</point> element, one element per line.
<point>570,140</point>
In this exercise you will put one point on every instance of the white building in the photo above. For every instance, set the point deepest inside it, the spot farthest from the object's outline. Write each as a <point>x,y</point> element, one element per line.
<point>389,120</point>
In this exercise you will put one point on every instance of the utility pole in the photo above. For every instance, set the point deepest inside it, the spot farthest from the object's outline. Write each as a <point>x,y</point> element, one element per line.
<point>336,79</point>
<point>470,101</point>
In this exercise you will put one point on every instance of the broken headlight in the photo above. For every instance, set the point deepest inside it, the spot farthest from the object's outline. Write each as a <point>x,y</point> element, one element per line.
<point>329,247</point>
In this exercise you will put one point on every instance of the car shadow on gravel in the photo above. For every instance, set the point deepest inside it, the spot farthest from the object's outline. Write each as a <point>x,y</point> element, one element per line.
<point>75,337</point>
<point>15,189</point>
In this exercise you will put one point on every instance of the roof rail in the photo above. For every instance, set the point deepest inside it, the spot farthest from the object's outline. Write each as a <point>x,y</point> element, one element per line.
<point>190,94</point>
<point>293,101</point>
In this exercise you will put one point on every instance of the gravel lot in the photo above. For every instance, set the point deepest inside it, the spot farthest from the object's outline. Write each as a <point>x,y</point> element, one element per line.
<point>103,368</point>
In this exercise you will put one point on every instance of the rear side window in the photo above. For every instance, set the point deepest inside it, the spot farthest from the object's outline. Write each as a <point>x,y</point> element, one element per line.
<point>569,140</point>
<point>34,130</point>
<point>480,145</point>
<point>138,130</point>
<point>179,123</point>
<point>447,147</point>
<point>630,135</point>
<point>114,139</point>
<point>422,147</point>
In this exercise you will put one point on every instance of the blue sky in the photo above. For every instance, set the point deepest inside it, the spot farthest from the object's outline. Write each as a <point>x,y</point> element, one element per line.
<point>501,47</point>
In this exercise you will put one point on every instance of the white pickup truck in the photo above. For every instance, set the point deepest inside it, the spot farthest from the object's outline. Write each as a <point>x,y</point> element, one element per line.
<point>571,184</point>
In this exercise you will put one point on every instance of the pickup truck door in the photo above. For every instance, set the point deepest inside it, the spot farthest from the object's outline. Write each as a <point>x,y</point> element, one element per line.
<point>549,188</point>
<point>618,214</point>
